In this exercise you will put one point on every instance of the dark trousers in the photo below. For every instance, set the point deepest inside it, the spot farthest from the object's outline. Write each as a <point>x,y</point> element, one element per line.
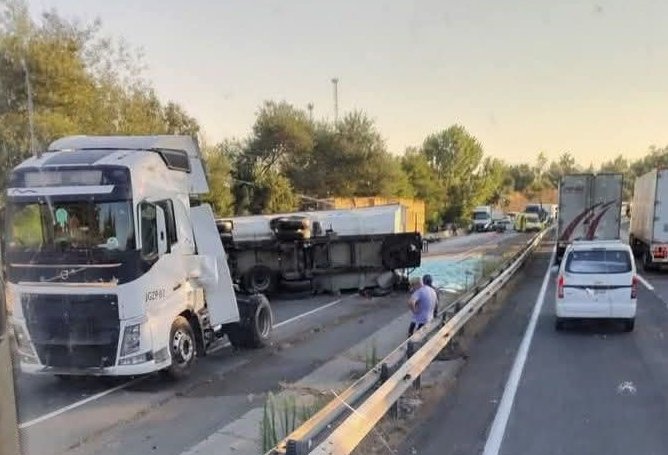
<point>413,327</point>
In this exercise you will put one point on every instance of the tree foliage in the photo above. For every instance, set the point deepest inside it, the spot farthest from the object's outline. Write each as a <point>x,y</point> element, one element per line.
<point>80,83</point>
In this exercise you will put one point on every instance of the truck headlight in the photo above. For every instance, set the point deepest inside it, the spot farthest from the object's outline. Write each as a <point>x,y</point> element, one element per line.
<point>131,339</point>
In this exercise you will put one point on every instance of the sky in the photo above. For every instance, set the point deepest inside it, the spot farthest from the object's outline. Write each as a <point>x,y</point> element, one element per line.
<point>523,76</point>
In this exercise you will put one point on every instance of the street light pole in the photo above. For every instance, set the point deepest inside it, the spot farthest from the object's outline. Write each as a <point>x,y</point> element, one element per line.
<point>309,106</point>
<point>335,82</point>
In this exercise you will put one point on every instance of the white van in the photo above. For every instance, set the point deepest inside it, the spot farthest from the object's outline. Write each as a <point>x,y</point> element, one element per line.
<point>597,279</point>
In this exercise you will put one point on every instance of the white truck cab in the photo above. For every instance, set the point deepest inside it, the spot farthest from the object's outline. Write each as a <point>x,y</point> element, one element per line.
<point>113,267</point>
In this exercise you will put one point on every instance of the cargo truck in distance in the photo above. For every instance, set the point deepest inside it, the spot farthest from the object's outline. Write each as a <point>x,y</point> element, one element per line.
<point>589,208</point>
<point>113,267</point>
<point>648,235</point>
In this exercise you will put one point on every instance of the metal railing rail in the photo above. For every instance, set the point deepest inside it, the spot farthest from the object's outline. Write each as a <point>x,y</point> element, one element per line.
<point>395,373</point>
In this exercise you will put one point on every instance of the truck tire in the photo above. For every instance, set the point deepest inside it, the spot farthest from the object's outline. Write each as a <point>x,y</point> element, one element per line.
<point>255,323</point>
<point>647,264</point>
<point>182,349</point>
<point>260,279</point>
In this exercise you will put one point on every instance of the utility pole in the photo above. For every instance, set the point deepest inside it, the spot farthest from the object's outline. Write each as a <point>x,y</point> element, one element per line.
<point>309,106</point>
<point>335,82</point>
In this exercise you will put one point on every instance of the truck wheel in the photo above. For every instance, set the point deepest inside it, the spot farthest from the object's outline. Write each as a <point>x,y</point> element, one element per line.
<point>256,323</point>
<point>260,279</point>
<point>182,348</point>
<point>647,264</point>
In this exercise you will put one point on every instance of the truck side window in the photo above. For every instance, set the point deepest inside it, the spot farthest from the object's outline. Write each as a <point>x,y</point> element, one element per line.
<point>149,230</point>
<point>170,221</point>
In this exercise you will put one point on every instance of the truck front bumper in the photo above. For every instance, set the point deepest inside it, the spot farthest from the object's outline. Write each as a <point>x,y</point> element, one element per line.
<point>117,370</point>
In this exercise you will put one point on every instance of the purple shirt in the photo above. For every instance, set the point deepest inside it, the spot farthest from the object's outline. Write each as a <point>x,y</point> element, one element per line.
<point>425,299</point>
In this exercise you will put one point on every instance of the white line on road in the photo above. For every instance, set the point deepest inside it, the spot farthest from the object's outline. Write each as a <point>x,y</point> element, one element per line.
<point>308,313</point>
<point>498,431</point>
<point>104,393</point>
<point>645,282</point>
<point>76,404</point>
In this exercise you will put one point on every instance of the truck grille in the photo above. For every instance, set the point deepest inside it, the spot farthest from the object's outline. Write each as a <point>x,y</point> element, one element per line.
<point>73,331</point>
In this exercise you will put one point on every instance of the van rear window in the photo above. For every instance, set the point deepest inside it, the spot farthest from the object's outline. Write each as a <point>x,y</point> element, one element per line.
<point>599,261</point>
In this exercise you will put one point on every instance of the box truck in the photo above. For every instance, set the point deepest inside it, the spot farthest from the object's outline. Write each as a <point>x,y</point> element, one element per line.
<point>589,208</point>
<point>648,234</point>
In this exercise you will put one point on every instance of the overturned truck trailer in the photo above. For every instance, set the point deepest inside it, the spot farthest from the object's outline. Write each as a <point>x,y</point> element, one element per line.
<point>320,251</point>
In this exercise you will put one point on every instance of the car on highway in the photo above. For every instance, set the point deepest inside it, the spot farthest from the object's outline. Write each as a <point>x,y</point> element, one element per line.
<point>597,280</point>
<point>528,222</point>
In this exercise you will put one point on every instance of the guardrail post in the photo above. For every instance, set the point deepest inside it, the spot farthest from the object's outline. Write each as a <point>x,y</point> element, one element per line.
<point>384,376</point>
<point>296,447</point>
<point>410,350</point>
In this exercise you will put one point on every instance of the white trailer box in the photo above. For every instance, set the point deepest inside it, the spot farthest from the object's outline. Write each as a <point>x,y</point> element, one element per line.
<point>383,219</point>
<point>589,208</point>
<point>648,235</point>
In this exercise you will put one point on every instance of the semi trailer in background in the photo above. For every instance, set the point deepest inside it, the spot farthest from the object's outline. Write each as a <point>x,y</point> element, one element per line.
<point>648,234</point>
<point>589,208</point>
<point>321,251</point>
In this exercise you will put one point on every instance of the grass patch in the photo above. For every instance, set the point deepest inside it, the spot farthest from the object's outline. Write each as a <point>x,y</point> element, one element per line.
<point>283,415</point>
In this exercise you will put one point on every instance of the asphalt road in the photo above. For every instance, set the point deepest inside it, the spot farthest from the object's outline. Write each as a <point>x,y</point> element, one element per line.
<point>592,389</point>
<point>148,415</point>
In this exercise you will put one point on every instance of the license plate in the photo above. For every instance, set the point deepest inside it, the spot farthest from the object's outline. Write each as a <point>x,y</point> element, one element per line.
<point>599,291</point>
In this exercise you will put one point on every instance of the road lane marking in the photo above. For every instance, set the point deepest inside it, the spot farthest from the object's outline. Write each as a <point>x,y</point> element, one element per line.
<point>76,404</point>
<point>645,282</point>
<point>104,393</point>
<point>498,430</point>
<point>308,313</point>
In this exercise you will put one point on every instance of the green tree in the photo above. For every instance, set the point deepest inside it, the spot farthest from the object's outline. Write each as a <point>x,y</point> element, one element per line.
<point>282,138</point>
<point>219,176</point>
<point>350,159</point>
<point>425,184</point>
<point>522,176</point>
<point>455,156</point>
<point>80,83</point>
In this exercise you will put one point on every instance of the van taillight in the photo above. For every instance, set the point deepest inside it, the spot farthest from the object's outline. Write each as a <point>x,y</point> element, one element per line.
<point>634,287</point>
<point>560,287</point>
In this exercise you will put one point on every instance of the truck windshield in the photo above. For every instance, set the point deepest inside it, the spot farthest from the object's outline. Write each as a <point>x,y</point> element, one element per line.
<point>481,216</point>
<point>70,226</point>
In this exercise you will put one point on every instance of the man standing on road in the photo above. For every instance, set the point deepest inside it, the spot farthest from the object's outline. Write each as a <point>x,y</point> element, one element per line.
<point>421,303</point>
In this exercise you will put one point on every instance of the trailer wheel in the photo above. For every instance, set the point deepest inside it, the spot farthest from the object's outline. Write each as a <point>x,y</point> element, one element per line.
<point>255,325</point>
<point>182,347</point>
<point>260,279</point>
<point>647,264</point>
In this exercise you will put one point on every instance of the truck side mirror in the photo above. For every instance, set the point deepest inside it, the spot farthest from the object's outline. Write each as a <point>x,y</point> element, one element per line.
<point>162,231</point>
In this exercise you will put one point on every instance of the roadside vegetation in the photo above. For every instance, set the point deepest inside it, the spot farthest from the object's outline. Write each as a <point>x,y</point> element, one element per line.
<point>82,82</point>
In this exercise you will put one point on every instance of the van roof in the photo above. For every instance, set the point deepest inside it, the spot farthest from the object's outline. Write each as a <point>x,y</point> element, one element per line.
<point>598,244</point>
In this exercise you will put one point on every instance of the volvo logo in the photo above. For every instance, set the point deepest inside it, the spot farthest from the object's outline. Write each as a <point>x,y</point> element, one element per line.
<point>64,274</point>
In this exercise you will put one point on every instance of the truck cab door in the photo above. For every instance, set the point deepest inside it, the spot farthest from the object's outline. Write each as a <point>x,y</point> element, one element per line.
<point>209,267</point>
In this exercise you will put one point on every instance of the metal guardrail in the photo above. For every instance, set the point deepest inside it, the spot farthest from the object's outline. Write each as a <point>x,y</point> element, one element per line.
<point>382,386</point>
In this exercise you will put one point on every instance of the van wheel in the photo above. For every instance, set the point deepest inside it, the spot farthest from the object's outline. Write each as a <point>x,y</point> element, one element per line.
<point>559,324</point>
<point>255,325</point>
<point>629,324</point>
<point>182,349</point>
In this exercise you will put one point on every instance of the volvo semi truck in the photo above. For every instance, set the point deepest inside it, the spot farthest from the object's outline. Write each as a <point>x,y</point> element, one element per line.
<point>114,267</point>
